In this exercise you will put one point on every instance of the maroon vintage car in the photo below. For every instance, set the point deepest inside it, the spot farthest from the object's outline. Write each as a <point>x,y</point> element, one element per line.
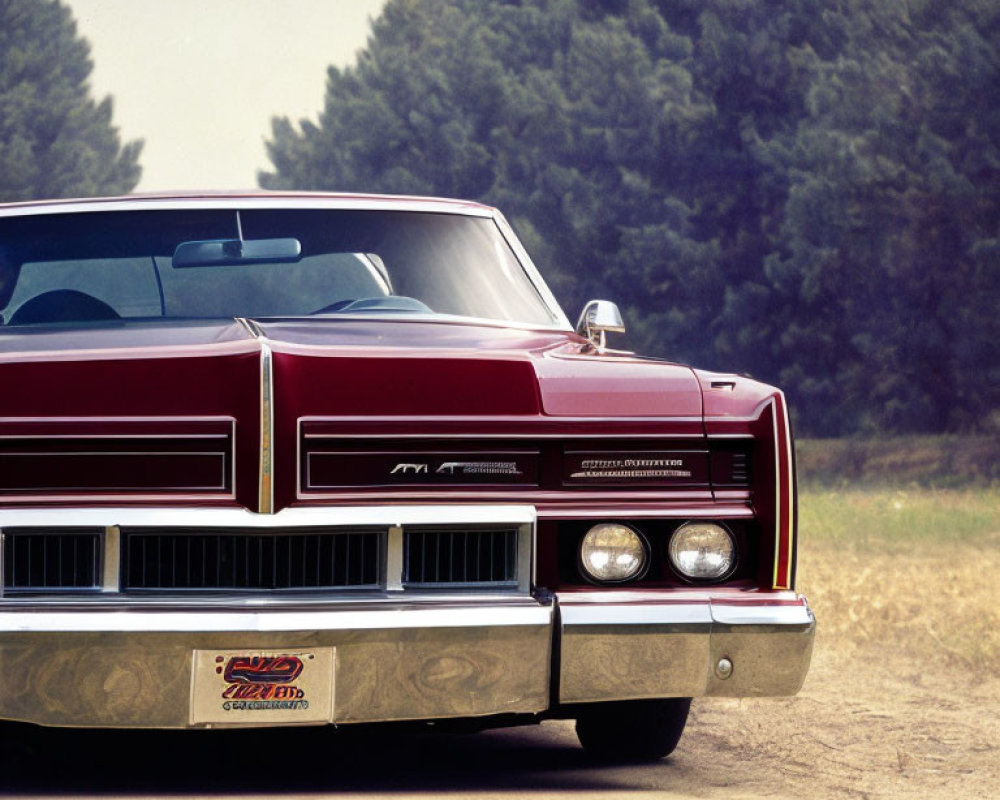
<point>306,459</point>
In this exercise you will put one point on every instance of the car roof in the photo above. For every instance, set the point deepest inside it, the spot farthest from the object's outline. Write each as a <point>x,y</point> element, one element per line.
<point>247,200</point>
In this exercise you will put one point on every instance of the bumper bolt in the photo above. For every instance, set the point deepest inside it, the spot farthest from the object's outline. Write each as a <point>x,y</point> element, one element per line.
<point>724,668</point>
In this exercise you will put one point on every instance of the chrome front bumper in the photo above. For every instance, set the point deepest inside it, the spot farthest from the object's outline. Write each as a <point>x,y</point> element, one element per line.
<point>634,645</point>
<point>133,667</point>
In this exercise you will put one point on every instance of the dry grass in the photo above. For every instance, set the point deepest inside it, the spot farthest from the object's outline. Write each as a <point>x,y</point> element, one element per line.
<point>912,570</point>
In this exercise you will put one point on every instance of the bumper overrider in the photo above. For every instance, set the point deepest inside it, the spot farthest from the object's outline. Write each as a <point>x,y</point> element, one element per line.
<point>111,661</point>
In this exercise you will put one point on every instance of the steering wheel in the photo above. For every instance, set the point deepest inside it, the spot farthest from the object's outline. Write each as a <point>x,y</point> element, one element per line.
<point>63,305</point>
<point>339,305</point>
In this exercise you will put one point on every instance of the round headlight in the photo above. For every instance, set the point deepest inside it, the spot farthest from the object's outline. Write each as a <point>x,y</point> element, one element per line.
<point>703,551</point>
<point>612,553</point>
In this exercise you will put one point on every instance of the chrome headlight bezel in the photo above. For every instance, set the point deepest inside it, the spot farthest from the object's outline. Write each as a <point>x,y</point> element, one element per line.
<point>643,548</point>
<point>687,577</point>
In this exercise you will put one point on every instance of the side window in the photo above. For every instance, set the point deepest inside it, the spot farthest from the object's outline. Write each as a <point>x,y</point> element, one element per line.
<point>128,285</point>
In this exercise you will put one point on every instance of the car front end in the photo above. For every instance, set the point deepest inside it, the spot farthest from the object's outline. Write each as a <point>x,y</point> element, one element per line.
<point>420,497</point>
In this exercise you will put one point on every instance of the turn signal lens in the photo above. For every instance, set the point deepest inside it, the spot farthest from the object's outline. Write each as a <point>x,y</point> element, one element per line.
<point>703,551</point>
<point>612,553</point>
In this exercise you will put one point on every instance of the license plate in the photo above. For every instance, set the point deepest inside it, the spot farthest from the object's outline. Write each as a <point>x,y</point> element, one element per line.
<point>262,687</point>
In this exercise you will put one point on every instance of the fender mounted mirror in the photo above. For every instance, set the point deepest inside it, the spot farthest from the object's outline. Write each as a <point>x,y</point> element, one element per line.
<point>597,318</point>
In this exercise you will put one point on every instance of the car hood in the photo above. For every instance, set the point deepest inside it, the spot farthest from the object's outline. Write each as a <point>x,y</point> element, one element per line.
<point>351,367</point>
<point>98,381</point>
<point>441,368</point>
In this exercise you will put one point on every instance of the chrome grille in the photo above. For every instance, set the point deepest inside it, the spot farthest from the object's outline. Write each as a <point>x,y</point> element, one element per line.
<point>448,557</point>
<point>51,560</point>
<point>237,560</point>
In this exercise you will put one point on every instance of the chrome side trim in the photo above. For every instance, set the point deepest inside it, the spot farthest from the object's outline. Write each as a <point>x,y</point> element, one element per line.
<point>178,418</point>
<point>428,420</point>
<point>395,616</point>
<point>789,496</point>
<point>431,514</point>
<point>662,511</point>
<point>436,318</point>
<point>112,436</point>
<point>718,595</point>
<point>200,497</point>
<point>132,353</point>
<point>784,492</point>
<point>265,503</point>
<point>704,613</point>
<point>777,494</point>
<point>265,487</point>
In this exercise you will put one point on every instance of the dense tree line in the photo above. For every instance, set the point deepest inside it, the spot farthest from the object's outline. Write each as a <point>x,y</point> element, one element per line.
<point>805,191</point>
<point>55,141</point>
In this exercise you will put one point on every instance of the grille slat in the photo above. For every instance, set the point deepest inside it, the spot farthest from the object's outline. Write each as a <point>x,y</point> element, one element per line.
<point>248,561</point>
<point>51,560</point>
<point>460,557</point>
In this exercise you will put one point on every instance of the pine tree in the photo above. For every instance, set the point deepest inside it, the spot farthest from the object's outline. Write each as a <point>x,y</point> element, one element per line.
<point>806,192</point>
<point>55,141</point>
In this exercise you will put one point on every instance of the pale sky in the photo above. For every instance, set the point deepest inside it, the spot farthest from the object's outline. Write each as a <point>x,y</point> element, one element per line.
<point>199,80</point>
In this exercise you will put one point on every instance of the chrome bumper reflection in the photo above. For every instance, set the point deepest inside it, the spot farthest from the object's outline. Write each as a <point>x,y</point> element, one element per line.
<point>633,645</point>
<point>131,665</point>
<point>133,668</point>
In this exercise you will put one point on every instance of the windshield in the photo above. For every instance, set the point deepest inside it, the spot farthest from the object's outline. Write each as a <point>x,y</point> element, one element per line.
<point>98,266</point>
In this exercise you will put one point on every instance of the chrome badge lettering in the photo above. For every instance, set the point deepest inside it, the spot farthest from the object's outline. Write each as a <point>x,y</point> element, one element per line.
<point>631,468</point>
<point>409,469</point>
<point>631,463</point>
<point>478,468</point>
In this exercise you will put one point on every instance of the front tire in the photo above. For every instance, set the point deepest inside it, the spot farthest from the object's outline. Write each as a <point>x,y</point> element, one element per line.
<point>637,730</point>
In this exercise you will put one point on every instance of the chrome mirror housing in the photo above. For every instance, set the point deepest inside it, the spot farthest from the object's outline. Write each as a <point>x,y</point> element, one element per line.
<point>597,318</point>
